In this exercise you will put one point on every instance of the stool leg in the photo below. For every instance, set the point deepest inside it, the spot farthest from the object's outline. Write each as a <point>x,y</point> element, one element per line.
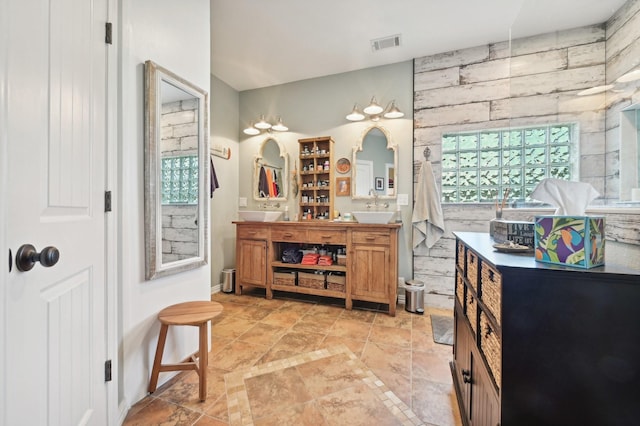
<point>157,362</point>
<point>202,369</point>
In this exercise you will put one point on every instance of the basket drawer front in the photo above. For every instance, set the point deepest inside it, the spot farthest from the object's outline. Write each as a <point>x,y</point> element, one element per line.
<point>471,311</point>
<point>370,237</point>
<point>308,280</point>
<point>287,233</point>
<point>336,282</point>
<point>491,290</point>
<point>253,232</point>
<point>285,278</point>
<point>460,289</point>
<point>460,258</point>
<point>328,236</point>
<point>491,348</point>
<point>472,269</point>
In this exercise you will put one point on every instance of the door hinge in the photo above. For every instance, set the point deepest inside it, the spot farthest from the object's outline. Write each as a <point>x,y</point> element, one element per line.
<point>107,201</point>
<point>107,33</point>
<point>107,370</point>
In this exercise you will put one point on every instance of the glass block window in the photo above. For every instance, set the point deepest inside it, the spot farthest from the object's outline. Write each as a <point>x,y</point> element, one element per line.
<point>179,180</point>
<point>479,166</point>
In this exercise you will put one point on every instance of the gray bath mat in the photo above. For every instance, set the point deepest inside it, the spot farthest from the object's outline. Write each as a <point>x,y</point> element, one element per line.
<point>442,329</point>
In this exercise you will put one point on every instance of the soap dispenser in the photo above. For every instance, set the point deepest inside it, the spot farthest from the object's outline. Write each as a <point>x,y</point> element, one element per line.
<point>286,213</point>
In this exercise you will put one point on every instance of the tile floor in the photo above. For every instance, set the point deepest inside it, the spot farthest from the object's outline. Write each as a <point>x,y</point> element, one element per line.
<point>252,331</point>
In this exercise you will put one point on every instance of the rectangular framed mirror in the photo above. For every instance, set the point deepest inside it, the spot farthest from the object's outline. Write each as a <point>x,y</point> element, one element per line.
<point>176,173</point>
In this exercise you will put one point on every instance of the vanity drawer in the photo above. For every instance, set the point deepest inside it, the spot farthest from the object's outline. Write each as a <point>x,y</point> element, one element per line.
<point>288,233</point>
<point>328,236</point>
<point>361,237</point>
<point>253,232</point>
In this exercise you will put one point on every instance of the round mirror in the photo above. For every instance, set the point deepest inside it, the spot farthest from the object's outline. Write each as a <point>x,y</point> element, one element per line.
<point>271,172</point>
<point>375,165</point>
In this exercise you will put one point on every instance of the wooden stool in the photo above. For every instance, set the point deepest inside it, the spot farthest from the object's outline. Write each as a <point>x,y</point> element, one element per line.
<point>187,313</point>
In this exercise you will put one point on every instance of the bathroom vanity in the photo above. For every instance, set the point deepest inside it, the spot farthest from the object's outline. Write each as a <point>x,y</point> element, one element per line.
<point>542,344</point>
<point>368,272</point>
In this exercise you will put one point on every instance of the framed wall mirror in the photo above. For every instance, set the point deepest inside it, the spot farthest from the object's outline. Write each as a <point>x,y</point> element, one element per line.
<point>176,173</point>
<point>271,172</point>
<point>375,165</point>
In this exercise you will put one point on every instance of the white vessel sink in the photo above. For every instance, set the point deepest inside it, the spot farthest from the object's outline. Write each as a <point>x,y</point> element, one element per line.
<point>378,217</point>
<point>259,215</point>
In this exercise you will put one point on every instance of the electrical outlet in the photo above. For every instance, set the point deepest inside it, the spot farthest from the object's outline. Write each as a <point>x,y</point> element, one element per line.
<point>403,199</point>
<point>242,202</point>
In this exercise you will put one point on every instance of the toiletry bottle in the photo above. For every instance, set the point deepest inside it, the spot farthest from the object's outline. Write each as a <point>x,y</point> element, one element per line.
<point>286,213</point>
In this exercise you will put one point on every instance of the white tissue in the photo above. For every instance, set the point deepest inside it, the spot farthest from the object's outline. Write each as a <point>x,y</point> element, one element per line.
<point>570,198</point>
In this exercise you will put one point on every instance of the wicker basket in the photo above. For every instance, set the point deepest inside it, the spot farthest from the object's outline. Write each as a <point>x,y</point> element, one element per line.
<point>490,347</point>
<point>308,280</point>
<point>460,289</point>
<point>472,269</point>
<point>342,259</point>
<point>471,312</point>
<point>491,290</point>
<point>460,257</point>
<point>284,278</point>
<point>336,282</point>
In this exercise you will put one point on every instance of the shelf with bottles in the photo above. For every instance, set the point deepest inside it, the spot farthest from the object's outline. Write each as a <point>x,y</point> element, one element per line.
<point>316,176</point>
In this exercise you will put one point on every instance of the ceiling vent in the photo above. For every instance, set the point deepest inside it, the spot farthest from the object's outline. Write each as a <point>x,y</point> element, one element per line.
<point>385,42</point>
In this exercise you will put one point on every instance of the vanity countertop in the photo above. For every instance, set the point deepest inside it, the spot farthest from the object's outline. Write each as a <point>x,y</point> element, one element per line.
<point>321,223</point>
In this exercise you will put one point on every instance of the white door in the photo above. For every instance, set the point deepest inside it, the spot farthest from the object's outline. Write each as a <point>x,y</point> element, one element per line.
<point>54,110</point>
<point>364,177</point>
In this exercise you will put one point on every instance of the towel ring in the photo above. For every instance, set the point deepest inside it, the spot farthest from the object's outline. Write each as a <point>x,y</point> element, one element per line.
<point>427,153</point>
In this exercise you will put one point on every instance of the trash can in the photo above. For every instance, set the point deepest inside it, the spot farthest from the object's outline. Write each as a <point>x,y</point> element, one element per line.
<point>414,296</point>
<point>228,280</point>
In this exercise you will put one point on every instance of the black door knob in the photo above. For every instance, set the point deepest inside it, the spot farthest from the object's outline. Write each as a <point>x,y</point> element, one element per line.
<point>27,256</point>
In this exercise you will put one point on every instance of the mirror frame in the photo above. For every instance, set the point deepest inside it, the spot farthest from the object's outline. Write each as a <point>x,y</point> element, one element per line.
<point>285,170</point>
<point>390,146</point>
<point>155,75</point>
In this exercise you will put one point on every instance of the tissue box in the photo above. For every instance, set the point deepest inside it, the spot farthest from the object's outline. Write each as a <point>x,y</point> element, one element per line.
<point>570,240</point>
<point>519,232</point>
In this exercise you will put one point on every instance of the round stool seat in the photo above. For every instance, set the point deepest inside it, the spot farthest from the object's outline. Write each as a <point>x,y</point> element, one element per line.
<point>190,313</point>
<point>198,314</point>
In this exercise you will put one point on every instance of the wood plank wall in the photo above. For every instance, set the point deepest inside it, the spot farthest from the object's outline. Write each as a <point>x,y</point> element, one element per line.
<point>533,81</point>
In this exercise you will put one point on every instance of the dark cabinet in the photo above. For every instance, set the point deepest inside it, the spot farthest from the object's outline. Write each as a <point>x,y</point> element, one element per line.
<point>538,344</point>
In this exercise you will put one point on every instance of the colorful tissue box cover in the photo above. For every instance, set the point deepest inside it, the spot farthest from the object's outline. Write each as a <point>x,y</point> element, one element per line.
<point>570,240</point>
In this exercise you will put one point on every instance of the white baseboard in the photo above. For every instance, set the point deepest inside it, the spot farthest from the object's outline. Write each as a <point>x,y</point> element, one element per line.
<point>216,288</point>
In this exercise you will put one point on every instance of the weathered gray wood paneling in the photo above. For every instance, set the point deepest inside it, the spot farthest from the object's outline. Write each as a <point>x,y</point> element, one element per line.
<point>534,80</point>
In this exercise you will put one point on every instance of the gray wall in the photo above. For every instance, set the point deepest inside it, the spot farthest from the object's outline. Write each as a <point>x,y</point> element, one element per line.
<point>223,130</point>
<point>317,107</point>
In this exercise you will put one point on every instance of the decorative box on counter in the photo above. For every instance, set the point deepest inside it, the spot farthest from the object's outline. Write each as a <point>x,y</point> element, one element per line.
<point>570,240</point>
<point>519,232</point>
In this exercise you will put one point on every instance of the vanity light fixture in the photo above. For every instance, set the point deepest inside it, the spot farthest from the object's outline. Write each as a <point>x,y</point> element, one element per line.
<point>374,112</point>
<point>264,126</point>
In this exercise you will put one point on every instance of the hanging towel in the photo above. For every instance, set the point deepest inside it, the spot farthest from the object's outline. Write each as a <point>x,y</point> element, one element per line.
<point>214,178</point>
<point>263,185</point>
<point>427,219</point>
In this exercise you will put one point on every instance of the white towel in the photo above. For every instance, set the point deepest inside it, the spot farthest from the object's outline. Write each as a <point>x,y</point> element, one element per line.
<point>427,219</point>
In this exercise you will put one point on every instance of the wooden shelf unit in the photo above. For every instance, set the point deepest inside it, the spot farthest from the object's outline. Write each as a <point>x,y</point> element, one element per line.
<point>316,174</point>
<point>371,265</point>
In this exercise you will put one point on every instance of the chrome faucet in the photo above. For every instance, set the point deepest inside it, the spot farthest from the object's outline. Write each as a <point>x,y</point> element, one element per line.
<point>374,194</point>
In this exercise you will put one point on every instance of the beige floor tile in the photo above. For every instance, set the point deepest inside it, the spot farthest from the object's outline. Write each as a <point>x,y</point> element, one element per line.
<point>400,337</point>
<point>254,332</point>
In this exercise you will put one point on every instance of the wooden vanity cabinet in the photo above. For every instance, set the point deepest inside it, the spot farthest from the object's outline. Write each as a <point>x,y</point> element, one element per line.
<point>370,273</point>
<point>251,257</point>
<point>538,344</point>
<point>374,265</point>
